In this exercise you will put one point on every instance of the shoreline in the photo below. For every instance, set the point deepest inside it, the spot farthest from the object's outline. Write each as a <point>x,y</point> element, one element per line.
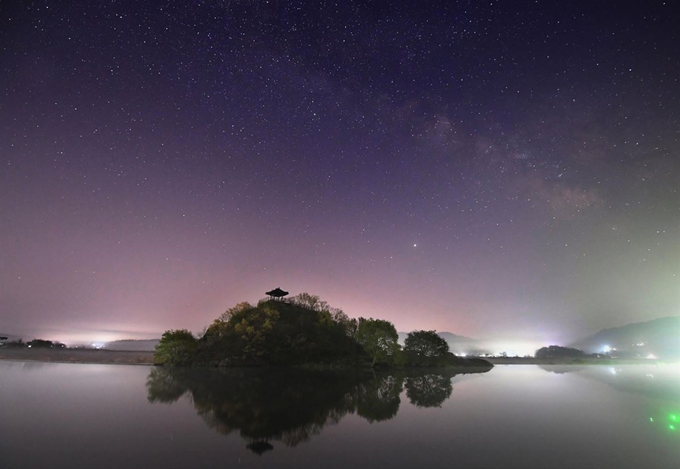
<point>132,357</point>
<point>576,361</point>
<point>79,356</point>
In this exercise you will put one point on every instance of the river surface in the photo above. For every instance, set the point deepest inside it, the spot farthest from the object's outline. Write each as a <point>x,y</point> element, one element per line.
<point>517,416</point>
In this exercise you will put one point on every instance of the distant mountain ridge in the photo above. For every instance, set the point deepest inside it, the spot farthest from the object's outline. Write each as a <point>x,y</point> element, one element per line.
<point>658,337</point>
<point>144,345</point>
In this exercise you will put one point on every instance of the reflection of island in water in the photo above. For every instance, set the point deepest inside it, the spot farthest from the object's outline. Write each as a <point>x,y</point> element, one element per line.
<point>654,381</point>
<point>292,405</point>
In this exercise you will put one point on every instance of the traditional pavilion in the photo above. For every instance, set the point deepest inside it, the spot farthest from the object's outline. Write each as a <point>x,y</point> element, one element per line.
<point>276,293</point>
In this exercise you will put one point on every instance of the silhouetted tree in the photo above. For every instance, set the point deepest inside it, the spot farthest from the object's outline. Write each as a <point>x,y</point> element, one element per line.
<point>19,343</point>
<point>424,348</point>
<point>40,343</point>
<point>555,351</point>
<point>313,302</point>
<point>349,325</point>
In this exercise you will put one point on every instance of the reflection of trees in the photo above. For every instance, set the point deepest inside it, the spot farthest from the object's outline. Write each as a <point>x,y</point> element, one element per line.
<point>428,390</point>
<point>290,405</point>
<point>377,397</point>
<point>560,369</point>
<point>164,387</point>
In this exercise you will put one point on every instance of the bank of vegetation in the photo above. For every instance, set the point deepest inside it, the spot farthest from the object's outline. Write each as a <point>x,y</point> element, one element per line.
<point>304,331</point>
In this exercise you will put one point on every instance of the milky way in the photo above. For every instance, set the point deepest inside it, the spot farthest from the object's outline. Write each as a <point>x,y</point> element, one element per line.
<point>493,169</point>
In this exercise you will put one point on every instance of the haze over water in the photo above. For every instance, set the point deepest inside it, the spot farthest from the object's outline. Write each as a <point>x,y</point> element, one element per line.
<point>65,415</point>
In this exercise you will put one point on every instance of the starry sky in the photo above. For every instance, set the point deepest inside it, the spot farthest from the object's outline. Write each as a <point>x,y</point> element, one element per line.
<point>496,169</point>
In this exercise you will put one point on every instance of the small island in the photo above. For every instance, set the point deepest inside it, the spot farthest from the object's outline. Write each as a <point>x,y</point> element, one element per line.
<point>304,331</point>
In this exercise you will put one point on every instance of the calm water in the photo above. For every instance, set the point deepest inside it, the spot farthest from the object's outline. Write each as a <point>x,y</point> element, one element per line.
<point>77,416</point>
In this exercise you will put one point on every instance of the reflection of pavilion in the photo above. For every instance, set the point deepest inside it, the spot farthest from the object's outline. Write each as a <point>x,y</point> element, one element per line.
<point>259,447</point>
<point>276,293</point>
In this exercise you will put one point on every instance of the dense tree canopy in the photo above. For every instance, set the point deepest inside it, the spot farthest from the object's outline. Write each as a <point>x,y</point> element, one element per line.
<point>176,347</point>
<point>313,302</point>
<point>425,348</point>
<point>41,343</point>
<point>555,351</point>
<point>379,338</point>
<point>301,331</point>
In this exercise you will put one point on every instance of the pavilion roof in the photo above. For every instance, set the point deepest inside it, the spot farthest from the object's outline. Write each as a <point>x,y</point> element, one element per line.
<point>277,292</point>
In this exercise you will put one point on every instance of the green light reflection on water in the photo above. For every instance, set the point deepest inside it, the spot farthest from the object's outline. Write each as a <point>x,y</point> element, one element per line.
<point>672,418</point>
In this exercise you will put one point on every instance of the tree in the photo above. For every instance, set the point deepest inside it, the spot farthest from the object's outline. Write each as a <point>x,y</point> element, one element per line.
<point>313,302</point>
<point>349,325</point>
<point>555,351</point>
<point>176,347</point>
<point>425,348</point>
<point>40,343</point>
<point>19,343</point>
<point>378,338</point>
<point>244,305</point>
<point>255,333</point>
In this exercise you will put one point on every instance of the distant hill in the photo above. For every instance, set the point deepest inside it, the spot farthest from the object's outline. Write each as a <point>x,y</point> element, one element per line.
<point>147,345</point>
<point>555,351</point>
<point>659,337</point>
<point>458,344</point>
<point>8,337</point>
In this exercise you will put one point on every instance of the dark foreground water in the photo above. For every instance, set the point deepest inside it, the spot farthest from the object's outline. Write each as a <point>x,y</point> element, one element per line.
<point>85,416</point>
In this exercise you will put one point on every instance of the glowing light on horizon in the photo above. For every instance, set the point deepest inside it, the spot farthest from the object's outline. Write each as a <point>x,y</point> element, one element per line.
<point>516,348</point>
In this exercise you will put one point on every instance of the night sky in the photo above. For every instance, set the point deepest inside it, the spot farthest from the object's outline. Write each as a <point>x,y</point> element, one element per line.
<point>496,169</point>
